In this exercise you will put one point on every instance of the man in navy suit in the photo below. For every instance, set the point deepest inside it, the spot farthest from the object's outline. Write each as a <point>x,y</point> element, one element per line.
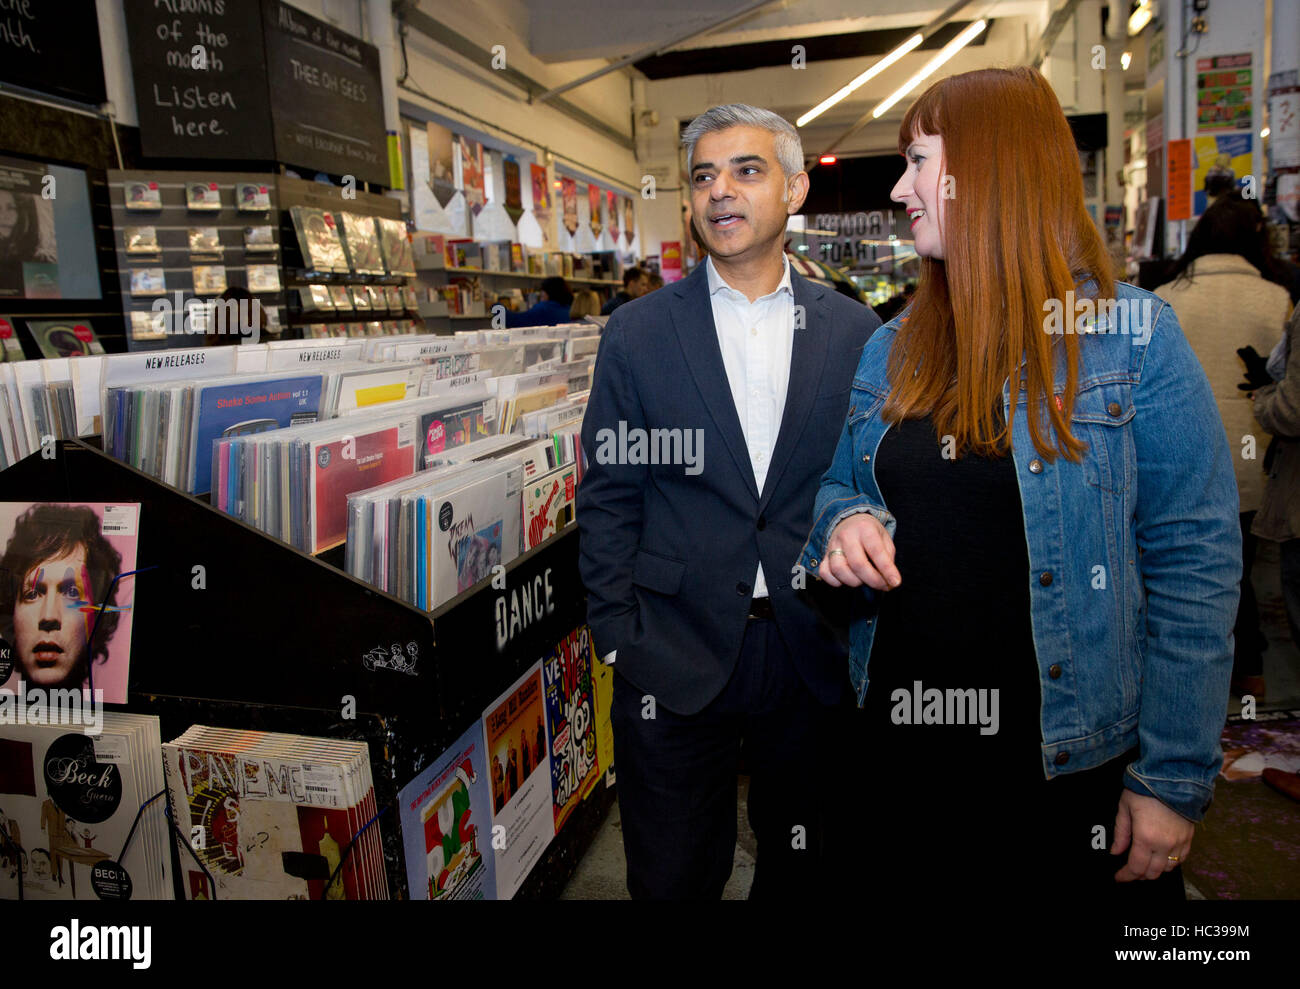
<point>716,407</point>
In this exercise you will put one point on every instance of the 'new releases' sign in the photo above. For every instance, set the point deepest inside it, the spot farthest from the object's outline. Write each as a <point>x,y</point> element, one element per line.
<point>326,96</point>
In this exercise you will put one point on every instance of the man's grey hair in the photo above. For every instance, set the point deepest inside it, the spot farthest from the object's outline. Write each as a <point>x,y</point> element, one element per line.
<point>789,148</point>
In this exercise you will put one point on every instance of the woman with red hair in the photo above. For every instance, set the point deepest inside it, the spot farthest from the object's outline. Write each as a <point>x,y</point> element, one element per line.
<point>1034,495</point>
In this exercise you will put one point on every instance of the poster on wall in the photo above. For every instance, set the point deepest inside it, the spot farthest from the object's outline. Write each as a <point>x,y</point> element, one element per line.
<point>446,815</point>
<point>611,211</point>
<point>542,205</point>
<point>629,221</point>
<point>65,558</point>
<point>1222,156</point>
<point>670,260</point>
<point>326,95</point>
<point>1223,93</point>
<point>442,162</point>
<point>521,779</point>
<point>514,194</point>
<point>571,722</point>
<point>470,176</point>
<point>47,242</point>
<point>569,196</point>
<point>1179,170</point>
<point>593,200</point>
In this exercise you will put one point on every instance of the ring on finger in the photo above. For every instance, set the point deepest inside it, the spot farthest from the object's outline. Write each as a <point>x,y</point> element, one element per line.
<point>835,552</point>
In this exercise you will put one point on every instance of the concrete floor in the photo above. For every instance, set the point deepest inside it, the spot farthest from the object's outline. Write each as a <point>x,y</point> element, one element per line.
<point>602,873</point>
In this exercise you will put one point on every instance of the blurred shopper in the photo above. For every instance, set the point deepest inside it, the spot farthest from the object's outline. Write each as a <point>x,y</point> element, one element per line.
<point>1277,407</point>
<point>1225,299</point>
<point>654,280</point>
<point>634,286</point>
<point>1043,525</point>
<point>689,557</point>
<point>585,303</point>
<point>550,310</point>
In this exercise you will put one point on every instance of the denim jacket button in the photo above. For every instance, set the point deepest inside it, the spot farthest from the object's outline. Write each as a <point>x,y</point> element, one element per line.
<point>1046,578</point>
<point>1035,466</point>
<point>1114,409</point>
<point>1054,671</point>
<point>866,458</point>
<point>1062,758</point>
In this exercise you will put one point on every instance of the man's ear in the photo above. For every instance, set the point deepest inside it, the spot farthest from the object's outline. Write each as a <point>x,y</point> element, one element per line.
<point>796,189</point>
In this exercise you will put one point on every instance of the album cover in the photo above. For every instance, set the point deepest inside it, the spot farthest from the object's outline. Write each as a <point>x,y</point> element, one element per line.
<point>318,297</point>
<point>340,297</point>
<point>360,298</point>
<point>204,240</point>
<point>375,293</point>
<point>144,196</point>
<point>243,408</point>
<point>570,722</point>
<point>446,819</point>
<point>203,196</point>
<point>447,429</point>
<point>252,197</point>
<point>148,281</point>
<point>68,614</point>
<point>263,278</point>
<point>362,244</point>
<point>148,325</point>
<point>548,504</point>
<point>259,239</point>
<point>355,329</point>
<point>393,298</point>
<point>141,240</point>
<point>396,247</point>
<point>380,454</point>
<point>318,239</point>
<point>63,338</point>
<point>209,279</point>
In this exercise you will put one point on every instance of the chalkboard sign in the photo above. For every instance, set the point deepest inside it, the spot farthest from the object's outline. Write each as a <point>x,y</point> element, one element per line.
<point>200,78</point>
<point>52,48</point>
<point>326,96</point>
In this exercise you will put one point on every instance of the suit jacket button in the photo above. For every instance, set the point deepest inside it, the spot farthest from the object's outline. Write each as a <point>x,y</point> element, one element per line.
<point>1046,578</point>
<point>1054,671</point>
<point>742,588</point>
<point>1062,758</point>
<point>1035,466</point>
<point>761,523</point>
<point>1114,409</point>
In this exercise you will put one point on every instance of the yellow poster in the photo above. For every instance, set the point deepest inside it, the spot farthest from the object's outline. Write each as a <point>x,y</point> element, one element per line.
<point>602,677</point>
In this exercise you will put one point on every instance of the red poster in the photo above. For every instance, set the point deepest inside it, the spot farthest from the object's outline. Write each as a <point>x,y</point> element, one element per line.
<point>541,194</point>
<point>1179,169</point>
<point>593,199</point>
<point>372,459</point>
<point>569,196</point>
<point>670,260</point>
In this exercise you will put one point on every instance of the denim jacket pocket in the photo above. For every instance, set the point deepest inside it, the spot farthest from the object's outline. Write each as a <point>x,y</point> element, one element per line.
<point>1102,416</point>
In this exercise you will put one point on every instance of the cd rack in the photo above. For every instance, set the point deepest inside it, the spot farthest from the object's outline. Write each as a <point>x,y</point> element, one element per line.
<point>236,629</point>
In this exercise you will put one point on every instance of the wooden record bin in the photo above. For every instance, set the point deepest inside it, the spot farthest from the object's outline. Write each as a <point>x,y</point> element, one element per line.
<point>266,637</point>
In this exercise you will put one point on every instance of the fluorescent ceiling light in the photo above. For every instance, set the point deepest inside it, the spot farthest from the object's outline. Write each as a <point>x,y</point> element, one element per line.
<point>945,53</point>
<point>1125,60</point>
<point>1141,17</point>
<point>871,73</point>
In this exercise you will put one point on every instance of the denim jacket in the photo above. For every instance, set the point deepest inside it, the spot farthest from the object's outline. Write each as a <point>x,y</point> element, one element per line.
<point>1134,552</point>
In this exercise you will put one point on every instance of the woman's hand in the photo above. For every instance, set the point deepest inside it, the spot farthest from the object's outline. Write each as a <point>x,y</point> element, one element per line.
<point>860,552</point>
<point>1155,832</point>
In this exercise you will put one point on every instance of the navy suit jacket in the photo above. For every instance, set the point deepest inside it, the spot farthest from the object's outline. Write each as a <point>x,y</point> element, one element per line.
<point>669,557</point>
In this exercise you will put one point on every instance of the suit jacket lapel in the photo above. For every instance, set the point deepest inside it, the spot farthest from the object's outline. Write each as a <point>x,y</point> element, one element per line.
<point>692,314</point>
<point>807,361</point>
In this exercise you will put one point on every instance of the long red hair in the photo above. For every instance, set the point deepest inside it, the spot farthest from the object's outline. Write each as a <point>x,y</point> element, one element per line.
<point>1016,234</point>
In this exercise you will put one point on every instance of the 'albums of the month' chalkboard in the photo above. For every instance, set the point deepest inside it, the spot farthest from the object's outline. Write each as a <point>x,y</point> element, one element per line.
<point>200,79</point>
<point>326,96</point>
<point>236,79</point>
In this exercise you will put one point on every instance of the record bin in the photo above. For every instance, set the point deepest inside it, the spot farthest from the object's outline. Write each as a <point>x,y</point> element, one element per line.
<point>238,630</point>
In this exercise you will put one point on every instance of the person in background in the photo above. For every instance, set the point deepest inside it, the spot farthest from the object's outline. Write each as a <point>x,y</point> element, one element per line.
<point>654,280</point>
<point>507,302</point>
<point>585,303</point>
<point>1228,269</point>
<point>1277,408</point>
<point>551,310</point>
<point>634,286</point>
<point>236,314</point>
<point>1041,525</point>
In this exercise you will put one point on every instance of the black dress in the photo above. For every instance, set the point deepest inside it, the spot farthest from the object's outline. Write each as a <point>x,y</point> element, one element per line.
<point>961,802</point>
